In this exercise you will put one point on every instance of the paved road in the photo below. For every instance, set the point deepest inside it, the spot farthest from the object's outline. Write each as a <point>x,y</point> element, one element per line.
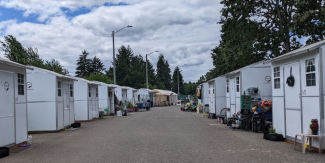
<point>164,134</point>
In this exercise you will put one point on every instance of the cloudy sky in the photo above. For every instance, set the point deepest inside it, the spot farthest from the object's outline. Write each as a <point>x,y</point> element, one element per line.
<point>184,31</point>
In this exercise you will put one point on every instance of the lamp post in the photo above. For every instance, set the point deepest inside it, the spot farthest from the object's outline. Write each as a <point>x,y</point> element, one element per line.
<point>113,33</point>
<point>147,66</point>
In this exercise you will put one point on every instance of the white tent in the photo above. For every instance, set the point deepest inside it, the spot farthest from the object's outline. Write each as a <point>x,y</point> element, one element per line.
<point>13,108</point>
<point>86,99</point>
<point>165,97</point>
<point>50,100</point>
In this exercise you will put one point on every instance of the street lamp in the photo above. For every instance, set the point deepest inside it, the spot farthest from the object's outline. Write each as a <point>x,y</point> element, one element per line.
<point>113,33</point>
<point>147,66</point>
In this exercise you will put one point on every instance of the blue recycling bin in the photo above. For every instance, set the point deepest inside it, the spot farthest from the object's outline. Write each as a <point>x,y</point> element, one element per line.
<point>139,105</point>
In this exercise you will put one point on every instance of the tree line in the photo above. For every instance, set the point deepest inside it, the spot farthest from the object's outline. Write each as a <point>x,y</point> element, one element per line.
<point>254,30</point>
<point>130,68</point>
<point>14,51</point>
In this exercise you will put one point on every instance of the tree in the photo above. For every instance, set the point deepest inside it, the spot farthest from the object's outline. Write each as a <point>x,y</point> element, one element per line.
<point>83,65</point>
<point>178,81</point>
<point>99,77</point>
<point>201,80</point>
<point>110,73</point>
<point>55,66</point>
<point>163,72</point>
<point>13,49</point>
<point>96,66</point>
<point>123,65</point>
<point>162,86</point>
<point>309,20</point>
<point>33,58</point>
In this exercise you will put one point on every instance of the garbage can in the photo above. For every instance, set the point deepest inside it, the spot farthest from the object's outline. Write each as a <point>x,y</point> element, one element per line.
<point>206,108</point>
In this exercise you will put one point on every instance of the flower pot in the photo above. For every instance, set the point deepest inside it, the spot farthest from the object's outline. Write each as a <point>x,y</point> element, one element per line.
<point>315,132</point>
<point>4,151</point>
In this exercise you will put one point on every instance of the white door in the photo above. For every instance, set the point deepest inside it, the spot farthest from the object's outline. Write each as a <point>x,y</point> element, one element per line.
<point>90,105</point>
<point>292,100</point>
<point>7,107</point>
<point>66,104</point>
<point>232,96</point>
<point>211,103</point>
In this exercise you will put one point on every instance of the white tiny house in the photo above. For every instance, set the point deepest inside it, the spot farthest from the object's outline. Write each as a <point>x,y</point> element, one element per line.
<point>86,99</point>
<point>13,108</point>
<point>106,96</point>
<point>50,100</point>
<point>256,75</point>
<point>296,104</point>
<point>128,94</point>
<point>143,95</point>
<point>217,95</point>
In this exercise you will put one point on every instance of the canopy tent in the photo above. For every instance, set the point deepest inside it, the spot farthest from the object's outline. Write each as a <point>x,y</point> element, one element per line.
<point>164,97</point>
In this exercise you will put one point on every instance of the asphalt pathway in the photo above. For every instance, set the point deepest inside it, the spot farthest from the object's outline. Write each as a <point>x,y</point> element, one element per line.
<point>163,134</point>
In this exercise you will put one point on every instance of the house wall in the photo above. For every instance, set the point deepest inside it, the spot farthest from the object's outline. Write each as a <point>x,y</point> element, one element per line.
<point>41,101</point>
<point>144,95</point>
<point>118,93</point>
<point>220,93</point>
<point>205,93</point>
<point>81,100</point>
<point>103,96</point>
<point>309,106</point>
<point>19,122</point>
<point>111,99</point>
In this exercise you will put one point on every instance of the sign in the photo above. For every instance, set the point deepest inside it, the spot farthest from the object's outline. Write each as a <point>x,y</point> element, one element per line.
<point>6,85</point>
<point>29,86</point>
<point>268,78</point>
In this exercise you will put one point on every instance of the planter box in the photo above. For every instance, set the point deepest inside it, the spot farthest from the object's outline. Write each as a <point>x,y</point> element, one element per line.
<point>273,137</point>
<point>4,151</point>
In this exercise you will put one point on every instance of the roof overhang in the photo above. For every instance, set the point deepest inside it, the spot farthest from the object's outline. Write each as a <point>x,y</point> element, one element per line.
<point>299,51</point>
<point>14,64</point>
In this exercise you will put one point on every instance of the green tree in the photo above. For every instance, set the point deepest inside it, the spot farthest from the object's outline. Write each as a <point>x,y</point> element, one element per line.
<point>99,77</point>
<point>13,49</point>
<point>201,80</point>
<point>309,20</point>
<point>96,66</point>
<point>33,58</point>
<point>178,81</point>
<point>55,66</point>
<point>123,65</point>
<point>110,73</point>
<point>83,65</point>
<point>163,73</point>
<point>162,86</point>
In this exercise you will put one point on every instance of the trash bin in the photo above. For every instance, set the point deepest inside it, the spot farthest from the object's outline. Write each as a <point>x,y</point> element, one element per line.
<point>206,108</point>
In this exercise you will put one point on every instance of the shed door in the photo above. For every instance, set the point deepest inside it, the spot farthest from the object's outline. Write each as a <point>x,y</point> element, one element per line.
<point>232,96</point>
<point>7,107</point>
<point>211,101</point>
<point>90,105</point>
<point>292,101</point>
<point>66,104</point>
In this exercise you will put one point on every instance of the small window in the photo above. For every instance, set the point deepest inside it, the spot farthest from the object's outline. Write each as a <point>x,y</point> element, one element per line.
<point>213,91</point>
<point>138,97</point>
<point>71,90</point>
<point>59,88</point>
<point>89,92</point>
<point>21,85</point>
<point>227,85</point>
<point>276,76</point>
<point>310,72</point>
<point>237,84</point>
<point>96,92</point>
<point>209,91</point>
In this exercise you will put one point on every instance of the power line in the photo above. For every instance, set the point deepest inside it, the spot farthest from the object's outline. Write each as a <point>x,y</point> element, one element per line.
<point>94,32</point>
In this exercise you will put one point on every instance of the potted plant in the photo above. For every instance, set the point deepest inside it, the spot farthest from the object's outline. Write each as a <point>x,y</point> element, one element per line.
<point>273,136</point>
<point>314,126</point>
<point>129,106</point>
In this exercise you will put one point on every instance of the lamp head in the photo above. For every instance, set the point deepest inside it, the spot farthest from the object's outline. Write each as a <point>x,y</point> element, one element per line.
<point>157,51</point>
<point>129,26</point>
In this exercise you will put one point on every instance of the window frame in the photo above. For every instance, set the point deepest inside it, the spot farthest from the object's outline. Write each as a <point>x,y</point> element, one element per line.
<point>237,83</point>
<point>89,92</point>
<point>227,84</point>
<point>96,91</point>
<point>311,72</point>
<point>21,82</point>
<point>59,88</point>
<point>71,90</point>
<point>276,77</point>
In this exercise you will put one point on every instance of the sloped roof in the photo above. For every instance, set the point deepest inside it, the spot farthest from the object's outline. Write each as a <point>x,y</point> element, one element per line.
<point>11,63</point>
<point>54,73</point>
<point>89,82</point>
<point>164,92</point>
<point>299,51</point>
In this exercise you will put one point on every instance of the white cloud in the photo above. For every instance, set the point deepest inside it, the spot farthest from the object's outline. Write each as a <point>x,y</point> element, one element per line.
<point>184,31</point>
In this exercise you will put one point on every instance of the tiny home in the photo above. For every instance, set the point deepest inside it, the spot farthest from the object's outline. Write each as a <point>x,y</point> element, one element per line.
<point>143,95</point>
<point>298,89</point>
<point>13,108</point>
<point>128,94</point>
<point>86,99</point>
<point>204,92</point>
<point>217,95</point>
<point>240,82</point>
<point>50,100</point>
<point>163,97</point>
<point>106,96</point>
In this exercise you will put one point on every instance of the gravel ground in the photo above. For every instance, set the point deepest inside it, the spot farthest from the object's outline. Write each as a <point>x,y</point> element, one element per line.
<point>163,134</point>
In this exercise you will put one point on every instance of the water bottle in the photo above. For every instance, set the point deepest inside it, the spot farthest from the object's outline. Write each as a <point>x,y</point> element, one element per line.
<point>29,139</point>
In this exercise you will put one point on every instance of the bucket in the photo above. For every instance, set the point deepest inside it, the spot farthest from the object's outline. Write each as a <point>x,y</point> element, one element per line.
<point>119,113</point>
